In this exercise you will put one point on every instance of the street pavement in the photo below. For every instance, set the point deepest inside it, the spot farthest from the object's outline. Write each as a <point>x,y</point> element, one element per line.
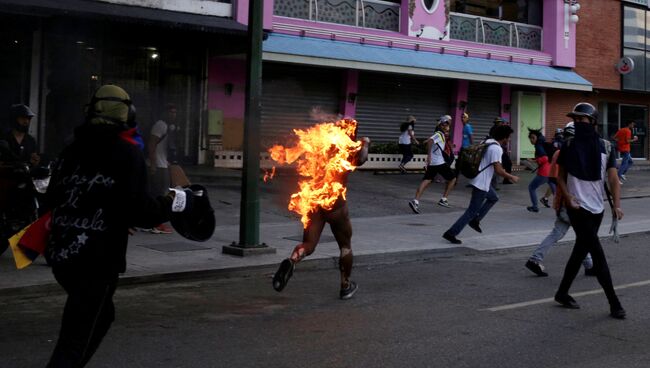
<point>385,229</point>
<point>479,310</point>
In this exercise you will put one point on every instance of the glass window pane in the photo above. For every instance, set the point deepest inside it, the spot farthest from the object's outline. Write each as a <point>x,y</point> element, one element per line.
<point>636,79</point>
<point>633,28</point>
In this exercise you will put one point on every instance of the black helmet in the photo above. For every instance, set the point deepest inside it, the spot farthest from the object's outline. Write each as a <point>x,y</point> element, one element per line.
<point>584,109</point>
<point>197,222</point>
<point>19,110</point>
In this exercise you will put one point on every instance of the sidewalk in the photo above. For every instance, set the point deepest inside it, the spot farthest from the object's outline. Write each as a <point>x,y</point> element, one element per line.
<point>376,239</point>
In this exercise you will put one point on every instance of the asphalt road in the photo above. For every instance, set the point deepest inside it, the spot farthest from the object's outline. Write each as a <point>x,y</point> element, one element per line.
<point>422,314</point>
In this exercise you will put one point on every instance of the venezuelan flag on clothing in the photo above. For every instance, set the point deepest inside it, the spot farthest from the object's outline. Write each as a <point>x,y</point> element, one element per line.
<point>28,243</point>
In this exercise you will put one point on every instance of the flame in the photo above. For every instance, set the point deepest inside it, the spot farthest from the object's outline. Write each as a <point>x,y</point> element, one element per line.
<point>269,175</point>
<point>322,154</point>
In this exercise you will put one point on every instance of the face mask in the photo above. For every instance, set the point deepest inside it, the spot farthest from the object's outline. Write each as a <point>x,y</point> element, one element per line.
<point>21,128</point>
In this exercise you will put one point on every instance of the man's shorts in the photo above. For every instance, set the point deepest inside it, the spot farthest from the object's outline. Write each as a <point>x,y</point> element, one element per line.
<point>443,170</point>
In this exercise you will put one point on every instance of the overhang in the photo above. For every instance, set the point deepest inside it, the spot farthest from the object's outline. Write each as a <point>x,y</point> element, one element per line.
<point>330,53</point>
<point>119,12</point>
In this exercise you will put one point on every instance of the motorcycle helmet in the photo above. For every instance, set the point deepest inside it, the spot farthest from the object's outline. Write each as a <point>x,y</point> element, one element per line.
<point>197,221</point>
<point>111,104</point>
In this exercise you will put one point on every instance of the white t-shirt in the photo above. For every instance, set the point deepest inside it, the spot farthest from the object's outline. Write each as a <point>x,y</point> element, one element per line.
<point>159,129</point>
<point>590,194</point>
<point>435,155</point>
<point>405,137</point>
<point>493,154</point>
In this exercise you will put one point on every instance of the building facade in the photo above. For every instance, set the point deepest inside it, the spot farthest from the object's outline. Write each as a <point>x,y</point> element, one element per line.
<point>55,54</point>
<point>612,53</point>
<point>380,61</point>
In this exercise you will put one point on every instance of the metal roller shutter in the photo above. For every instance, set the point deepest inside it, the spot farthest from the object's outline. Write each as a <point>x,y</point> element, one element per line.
<point>483,102</point>
<point>385,100</point>
<point>290,92</point>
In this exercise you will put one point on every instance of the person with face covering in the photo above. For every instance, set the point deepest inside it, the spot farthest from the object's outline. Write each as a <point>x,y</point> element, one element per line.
<point>584,164</point>
<point>98,191</point>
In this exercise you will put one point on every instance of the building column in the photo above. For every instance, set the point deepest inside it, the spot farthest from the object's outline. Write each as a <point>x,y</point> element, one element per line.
<point>459,103</point>
<point>350,89</point>
<point>559,33</point>
<point>506,101</point>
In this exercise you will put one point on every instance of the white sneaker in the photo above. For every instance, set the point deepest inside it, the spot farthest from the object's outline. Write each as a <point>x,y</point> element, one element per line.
<point>624,177</point>
<point>620,181</point>
<point>414,206</point>
<point>444,203</point>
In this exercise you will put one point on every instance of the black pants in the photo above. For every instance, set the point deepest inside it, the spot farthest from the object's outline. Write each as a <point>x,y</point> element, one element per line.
<point>586,225</point>
<point>407,153</point>
<point>87,316</point>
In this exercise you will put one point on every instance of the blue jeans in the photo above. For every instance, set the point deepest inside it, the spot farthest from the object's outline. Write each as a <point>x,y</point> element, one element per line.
<point>562,225</point>
<point>479,206</point>
<point>626,162</point>
<point>538,181</point>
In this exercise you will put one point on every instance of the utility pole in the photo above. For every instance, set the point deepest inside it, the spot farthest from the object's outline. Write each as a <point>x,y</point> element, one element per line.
<point>249,225</point>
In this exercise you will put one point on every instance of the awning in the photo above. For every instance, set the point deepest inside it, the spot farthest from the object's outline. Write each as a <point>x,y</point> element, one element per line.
<point>119,12</point>
<point>330,53</point>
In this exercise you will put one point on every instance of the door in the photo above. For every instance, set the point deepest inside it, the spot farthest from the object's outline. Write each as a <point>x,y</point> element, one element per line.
<point>528,113</point>
<point>638,114</point>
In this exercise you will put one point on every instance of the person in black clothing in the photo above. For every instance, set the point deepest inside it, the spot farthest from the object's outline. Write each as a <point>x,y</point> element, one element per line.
<point>21,144</point>
<point>584,164</point>
<point>98,191</point>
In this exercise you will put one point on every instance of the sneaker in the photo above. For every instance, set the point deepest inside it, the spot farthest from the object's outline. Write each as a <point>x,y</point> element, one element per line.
<point>590,272</point>
<point>544,201</point>
<point>617,312</point>
<point>414,206</point>
<point>444,203</point>
<point>475,224</point>
<point>536,268</point>
<point>532,209</point>
<point>402,169</point>
<point>282,276</point>
<point>620,181</point>
<point>623,177</point>
<point>161,229</point>
<point>567,301</point>
<point>451,238</point>
<point>348,292</point>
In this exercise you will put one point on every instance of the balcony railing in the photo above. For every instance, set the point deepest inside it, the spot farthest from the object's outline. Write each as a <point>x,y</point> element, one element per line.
<point>359,13</point>
<point>495,32</point>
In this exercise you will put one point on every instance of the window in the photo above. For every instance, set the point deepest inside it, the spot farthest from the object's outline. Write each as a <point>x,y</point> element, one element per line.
<point>520,11</point>
<point>636,45</point>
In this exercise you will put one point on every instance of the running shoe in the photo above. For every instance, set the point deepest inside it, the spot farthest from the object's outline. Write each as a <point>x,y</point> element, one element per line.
<point>617,312</point>
<point>451,238</point>
<point>624,177</point>
<point>476,225</point>
<point>544,201</point>
<point>414,206</point>
<point>282,276</point>
<point>402,169</point>
<point>532,209</point>
<point>444,203</point>
<point>348,292</point>
<point>536,268</point>
<point>567,301</point>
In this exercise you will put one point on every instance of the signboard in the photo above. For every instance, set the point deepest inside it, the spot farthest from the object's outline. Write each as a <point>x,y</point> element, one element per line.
<point>625,65</point>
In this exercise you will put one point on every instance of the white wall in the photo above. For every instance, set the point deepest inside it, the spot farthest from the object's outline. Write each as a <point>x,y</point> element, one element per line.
<point>203,7</point>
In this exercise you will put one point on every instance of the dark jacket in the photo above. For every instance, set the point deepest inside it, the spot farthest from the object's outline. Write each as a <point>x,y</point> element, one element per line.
<point>97,191</point>
<point>21,152</point>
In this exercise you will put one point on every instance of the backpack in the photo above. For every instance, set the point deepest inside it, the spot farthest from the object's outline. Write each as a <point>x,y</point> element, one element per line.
<point>404,127</point>
<point>469,159</point>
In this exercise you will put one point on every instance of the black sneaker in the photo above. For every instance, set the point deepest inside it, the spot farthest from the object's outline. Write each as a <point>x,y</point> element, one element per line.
<point>348,292</point>
<point>567,301</point>
<point>536,268</point>
<point>532,209</point>
<point>282,276</point>
<point>451,238</point>
<point>414,206</point>
<point>475,224</point>
<point>544,201</point>
<point>590,272</point>
<point>617,312</point>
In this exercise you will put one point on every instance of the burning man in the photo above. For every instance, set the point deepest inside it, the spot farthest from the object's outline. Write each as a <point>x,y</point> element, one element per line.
<point>325,156</point>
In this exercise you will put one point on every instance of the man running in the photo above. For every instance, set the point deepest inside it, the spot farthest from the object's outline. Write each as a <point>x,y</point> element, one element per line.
<point>338,218</point>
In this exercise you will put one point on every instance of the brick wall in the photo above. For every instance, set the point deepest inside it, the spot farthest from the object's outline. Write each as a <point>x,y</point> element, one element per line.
<point>598,42</point>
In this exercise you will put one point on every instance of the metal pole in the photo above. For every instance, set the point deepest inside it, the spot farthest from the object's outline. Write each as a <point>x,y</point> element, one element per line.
<point>249,234</point>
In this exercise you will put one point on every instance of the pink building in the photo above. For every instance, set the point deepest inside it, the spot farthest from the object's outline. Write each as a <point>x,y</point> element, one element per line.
<point>380,61</point>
